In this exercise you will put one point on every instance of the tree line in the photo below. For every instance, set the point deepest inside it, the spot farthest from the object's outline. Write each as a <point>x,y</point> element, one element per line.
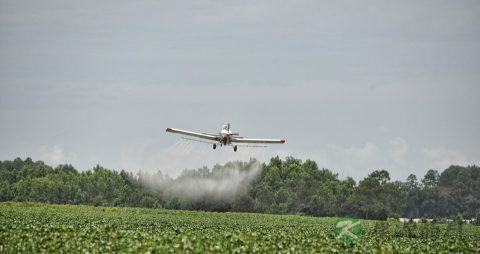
<point>289,186</point>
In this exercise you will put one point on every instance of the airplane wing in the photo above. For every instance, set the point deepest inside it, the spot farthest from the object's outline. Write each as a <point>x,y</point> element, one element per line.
<point>193,134</point>
<point>257,140</point>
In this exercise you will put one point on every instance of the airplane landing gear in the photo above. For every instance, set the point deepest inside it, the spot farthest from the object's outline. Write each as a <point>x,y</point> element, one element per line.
<point>235,148</point>
<point>214,146</point>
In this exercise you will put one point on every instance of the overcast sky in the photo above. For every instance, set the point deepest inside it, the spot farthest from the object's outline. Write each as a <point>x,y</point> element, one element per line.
<point>354,85</point>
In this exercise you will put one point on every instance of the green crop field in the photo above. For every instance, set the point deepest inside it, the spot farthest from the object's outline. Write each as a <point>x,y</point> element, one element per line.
<point>41,228</point>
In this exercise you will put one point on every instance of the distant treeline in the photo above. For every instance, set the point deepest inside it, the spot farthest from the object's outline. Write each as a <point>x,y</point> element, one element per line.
<point>287,186</point>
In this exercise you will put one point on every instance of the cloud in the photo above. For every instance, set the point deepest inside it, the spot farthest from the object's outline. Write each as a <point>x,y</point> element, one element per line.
<point>442,157</point>
<point>359,160</point>
<point>365,154</point>
<point>55,155</point>
<point>398,150</point>
<point>383,129</point>
<point>356,161</point>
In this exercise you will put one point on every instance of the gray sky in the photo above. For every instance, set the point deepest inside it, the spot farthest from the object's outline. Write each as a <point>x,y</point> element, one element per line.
<point>353,85</point>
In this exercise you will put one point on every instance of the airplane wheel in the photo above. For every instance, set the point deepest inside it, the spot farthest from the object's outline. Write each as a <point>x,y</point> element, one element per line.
<point>235,148</point>
<point>214,146</point>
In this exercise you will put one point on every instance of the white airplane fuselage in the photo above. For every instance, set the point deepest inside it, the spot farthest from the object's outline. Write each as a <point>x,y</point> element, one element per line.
<point>225,135</point>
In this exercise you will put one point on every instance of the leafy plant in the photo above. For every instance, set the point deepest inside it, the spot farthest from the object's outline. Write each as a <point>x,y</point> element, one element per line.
<point>42,228</point>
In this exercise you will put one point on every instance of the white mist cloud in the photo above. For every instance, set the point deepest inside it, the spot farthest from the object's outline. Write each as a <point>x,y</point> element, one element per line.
<point>398,150</point>
<point>364,155</point>
<point>219,185</point>
<point>360,160</point>
<point>441,157</point>
<point>55,155</point>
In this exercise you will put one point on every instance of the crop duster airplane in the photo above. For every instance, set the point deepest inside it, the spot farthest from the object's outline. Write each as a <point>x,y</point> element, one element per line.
<point>226,137</point>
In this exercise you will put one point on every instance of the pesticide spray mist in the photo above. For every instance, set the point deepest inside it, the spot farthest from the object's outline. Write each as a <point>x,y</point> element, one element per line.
<point>222,183</point>
<point>184,172</point>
